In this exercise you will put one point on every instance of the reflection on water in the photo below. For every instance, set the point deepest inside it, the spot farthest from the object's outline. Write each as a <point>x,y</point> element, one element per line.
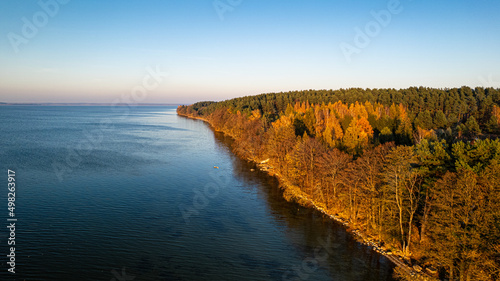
<point>123,211</point>
<point>321,242</point>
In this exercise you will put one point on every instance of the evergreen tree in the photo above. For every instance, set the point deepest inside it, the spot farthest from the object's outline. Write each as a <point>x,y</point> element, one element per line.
<point>324,150</point>
<point>471,127</point>
<point>440,120</point>
<point>424,120</point>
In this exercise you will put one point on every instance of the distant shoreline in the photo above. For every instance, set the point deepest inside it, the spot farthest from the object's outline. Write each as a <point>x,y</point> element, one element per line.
<point>88,104</point>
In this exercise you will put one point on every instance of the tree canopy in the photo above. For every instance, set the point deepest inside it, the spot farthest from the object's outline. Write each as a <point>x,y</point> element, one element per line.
<point>416,169</point>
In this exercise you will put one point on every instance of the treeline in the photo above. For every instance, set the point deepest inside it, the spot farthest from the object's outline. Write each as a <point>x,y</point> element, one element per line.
<point>429,107</point>
<point>422,178</point>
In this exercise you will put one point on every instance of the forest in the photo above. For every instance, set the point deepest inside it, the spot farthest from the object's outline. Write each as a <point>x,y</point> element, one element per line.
<point>416,169</point>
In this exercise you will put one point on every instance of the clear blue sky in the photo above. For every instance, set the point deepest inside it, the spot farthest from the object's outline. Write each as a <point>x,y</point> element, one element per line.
<point>98,51</point>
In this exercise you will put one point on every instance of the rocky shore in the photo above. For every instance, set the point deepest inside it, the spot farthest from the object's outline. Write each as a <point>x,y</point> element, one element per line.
<point>415,272</point>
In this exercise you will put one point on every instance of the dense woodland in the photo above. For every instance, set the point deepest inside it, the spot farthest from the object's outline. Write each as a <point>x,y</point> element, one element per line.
<point>417,168</point>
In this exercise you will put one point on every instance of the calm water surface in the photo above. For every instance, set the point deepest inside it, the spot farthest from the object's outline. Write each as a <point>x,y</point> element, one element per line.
<point>118,194</point>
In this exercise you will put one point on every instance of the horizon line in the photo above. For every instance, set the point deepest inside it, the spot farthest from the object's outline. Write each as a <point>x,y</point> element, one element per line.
<point>86,104</point>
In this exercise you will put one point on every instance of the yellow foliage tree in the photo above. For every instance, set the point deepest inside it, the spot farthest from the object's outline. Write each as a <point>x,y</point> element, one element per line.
<point>404,127</point>
<point>358,134</point>
<point>281,139</point>
<point>496,113</point>
<point>341,109</point>
<point>333,131</point>
<point>358,111</point>
<point>255,115</point>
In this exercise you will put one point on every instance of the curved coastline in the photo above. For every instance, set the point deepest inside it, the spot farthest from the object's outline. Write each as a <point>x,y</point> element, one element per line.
<point>303,200</point>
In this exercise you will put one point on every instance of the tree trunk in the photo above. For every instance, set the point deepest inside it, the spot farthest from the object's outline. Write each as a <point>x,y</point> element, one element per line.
<point>452,277</point>
<point>462,270</point>
<point>427,208</point>
<point>409,235</point>
<point>469,275</point>
<point>380,229</point>
<point>400,207</point>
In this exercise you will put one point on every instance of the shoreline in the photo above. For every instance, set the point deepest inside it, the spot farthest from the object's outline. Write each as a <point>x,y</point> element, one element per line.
<point>362,238</point>
<point>396,259</point>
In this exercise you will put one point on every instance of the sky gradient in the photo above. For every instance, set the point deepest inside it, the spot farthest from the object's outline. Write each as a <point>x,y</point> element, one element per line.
<point>98,51</point>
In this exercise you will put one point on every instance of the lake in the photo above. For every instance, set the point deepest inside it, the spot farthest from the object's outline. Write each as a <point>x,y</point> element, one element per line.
<point>125,193</point>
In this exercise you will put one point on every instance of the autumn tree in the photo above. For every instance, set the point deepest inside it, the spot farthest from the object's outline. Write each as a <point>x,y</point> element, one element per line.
<point>332,167</point>
<point>367,171</point>
<point>465,228</point>
<point>493,124</point>
<point>403,189</point>
<point>323,145</point>
<point>404,129</point>
<point>358,134</point>
<point>280,141</point>
<point>310,122</point>
<point>304,168</point>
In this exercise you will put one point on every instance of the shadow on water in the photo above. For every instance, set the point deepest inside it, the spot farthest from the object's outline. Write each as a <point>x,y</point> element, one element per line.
<point>117,215</point>
<point>322,242</point>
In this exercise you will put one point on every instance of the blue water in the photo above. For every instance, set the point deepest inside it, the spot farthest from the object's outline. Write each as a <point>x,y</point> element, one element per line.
<point>132,194</point>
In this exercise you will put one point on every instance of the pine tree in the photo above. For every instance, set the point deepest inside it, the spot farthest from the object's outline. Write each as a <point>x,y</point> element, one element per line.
<point>440,120</point>
<point>424,120</point>
<point>471,127</point>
